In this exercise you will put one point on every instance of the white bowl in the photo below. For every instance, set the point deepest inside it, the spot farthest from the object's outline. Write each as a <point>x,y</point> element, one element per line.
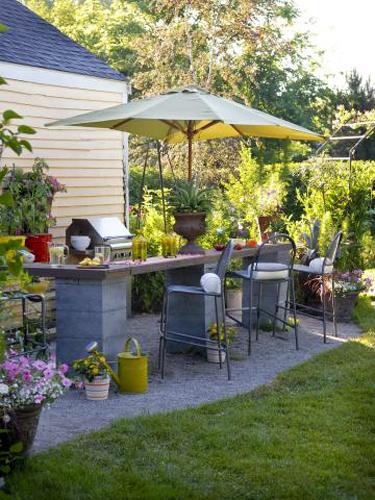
<point>80,243</point>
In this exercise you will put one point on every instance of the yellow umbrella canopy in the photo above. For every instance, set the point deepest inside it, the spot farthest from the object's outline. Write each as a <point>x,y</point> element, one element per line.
<point>190,114</point>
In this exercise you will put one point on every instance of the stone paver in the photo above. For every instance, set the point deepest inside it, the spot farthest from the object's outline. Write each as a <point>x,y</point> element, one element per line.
<point>190,380</point>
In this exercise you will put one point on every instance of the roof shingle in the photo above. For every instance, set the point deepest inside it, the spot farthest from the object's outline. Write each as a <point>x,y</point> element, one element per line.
<point>32,41</point>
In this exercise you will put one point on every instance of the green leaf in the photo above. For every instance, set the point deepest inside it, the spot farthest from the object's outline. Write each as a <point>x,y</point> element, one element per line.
<point>9,114</point>
<point>16,447</point>
<point>3,173</point>
<point>26,145</point>
<point>3,28</point>
<point>2,81</point>
<point>25,129</point>
<point>6,199</point>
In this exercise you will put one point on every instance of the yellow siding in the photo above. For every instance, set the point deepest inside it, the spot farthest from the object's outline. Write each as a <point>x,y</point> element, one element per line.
<point>87,160</point>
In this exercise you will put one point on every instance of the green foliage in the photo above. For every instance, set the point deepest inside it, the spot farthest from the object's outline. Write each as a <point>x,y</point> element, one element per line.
<point>340,200</point>
<point>254,189</point>
<point>188,197</point>
<point>147,289</point>
<point>30,191</point>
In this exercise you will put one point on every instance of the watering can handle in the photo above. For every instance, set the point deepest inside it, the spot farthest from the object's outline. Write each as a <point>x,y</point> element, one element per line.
<point>135,342</point>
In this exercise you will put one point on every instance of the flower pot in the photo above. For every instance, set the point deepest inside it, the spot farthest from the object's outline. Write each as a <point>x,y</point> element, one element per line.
<point>190,226</point>
<point>97,389</point>
<point>23,425</point>
<point>213,355</point>
<point>264,222</point>
<point>38,245</point>
<point>344,307</point>
<point>234,298</point>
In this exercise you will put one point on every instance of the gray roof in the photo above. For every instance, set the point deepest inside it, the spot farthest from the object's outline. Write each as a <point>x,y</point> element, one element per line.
<point>32,41</point>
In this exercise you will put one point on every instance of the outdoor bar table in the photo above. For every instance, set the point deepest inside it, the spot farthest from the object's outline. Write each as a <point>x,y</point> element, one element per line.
<point>91,303</point>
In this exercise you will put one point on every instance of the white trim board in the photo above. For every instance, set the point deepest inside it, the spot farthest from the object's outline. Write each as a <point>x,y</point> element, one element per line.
<point>60,78</point>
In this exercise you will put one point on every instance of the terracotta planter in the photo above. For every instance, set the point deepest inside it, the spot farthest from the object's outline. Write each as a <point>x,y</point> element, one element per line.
<point>38,245</point>
<point>264,222</point>
<point>24,424</point>
<point>190,226</point>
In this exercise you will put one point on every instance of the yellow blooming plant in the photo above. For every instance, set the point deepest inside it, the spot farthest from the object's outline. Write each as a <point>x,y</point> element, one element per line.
<point>90,367</point>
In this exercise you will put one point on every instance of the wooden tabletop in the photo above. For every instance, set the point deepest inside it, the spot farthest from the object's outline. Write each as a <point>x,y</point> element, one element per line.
<point>128,268</point>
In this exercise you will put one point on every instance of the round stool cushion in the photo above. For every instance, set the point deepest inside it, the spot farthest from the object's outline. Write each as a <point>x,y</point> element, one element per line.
<point>316,265</point>
<point>269,271</point>
<point>211,283</point>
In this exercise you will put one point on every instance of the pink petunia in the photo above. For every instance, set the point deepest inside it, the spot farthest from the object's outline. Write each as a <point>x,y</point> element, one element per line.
<point>66,382</point>
<point>27,376</point>
<point>40,365</point>
<point>63,368</point>
<point>39,398</point>
<point>48,373</point>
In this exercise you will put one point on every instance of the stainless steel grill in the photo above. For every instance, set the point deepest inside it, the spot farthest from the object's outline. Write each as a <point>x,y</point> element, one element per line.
<point>106,231</point>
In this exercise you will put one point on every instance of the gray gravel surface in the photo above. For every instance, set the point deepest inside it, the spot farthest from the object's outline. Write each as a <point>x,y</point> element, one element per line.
<point>190,379</point>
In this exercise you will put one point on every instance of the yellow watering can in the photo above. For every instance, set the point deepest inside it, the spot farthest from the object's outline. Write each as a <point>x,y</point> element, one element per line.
<point>132,368</point>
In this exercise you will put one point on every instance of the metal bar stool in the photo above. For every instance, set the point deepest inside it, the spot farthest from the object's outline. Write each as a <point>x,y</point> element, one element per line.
<point>167,335</point>
<point>324,268</point>
<point>263,271</point>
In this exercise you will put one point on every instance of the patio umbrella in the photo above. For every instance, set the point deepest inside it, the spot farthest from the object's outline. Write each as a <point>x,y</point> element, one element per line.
<point>190,114</point>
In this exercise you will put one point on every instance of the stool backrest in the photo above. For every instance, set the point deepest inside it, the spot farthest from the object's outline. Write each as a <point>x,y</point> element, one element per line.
<point>224,260</point>
<point>285,255</point>
<point>331,254</point>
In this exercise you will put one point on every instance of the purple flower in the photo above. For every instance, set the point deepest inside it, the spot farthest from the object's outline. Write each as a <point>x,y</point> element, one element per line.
<point>66,382</point>
<point>40,365</point>
<point>63,368</point>
<point>39,398</point>
<point>27,376</point>
<point>48,373</point>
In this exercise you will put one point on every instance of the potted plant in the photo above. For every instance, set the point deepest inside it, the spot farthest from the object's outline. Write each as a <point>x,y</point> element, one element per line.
<point>213,355</point>
<point>30,213</point>
<point>27,385</point>
<point>94,371</point>
<point>191,205</point>
<point>270,198</point>
<point>348,285</point>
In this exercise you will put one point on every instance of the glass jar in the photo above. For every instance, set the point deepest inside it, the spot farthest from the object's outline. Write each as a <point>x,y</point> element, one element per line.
<point>139,248</point>
<point>169,243</point>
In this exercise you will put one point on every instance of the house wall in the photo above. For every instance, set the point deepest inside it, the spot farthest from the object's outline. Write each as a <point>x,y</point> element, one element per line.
<point>89,161</point>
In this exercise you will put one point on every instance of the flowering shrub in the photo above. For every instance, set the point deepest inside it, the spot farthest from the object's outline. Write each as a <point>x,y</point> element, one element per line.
<point>90,367</point>
<point>351,282</point>
<point>25,381</point>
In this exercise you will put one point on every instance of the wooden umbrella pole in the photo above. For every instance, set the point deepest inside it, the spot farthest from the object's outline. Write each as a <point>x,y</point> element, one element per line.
<point>190,149</point>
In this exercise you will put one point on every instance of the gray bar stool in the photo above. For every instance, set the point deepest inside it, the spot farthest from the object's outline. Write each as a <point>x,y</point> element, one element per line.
<point>260,272</point>
<point>323,267</point>
<point>167,335</point>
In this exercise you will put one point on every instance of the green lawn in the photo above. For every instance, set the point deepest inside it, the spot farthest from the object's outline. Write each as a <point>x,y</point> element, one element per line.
<point>308,435</point>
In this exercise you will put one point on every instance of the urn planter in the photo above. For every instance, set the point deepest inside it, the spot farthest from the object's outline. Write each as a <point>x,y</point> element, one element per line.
<point>190,225</point>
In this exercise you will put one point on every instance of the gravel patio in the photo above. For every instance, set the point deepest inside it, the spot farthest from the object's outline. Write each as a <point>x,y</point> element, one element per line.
<point>190,380</point>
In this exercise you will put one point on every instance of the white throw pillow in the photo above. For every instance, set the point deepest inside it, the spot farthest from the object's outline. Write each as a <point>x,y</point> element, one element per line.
<point>316,265</point>
<point>211,283</point>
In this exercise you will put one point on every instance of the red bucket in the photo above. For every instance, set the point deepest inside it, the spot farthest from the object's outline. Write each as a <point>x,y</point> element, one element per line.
<point>38,245</point>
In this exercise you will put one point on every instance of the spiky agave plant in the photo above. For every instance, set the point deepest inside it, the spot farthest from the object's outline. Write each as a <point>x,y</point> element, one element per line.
<point>188,197</point>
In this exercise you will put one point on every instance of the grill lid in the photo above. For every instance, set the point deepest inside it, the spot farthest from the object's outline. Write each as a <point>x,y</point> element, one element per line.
<point>109,228</point>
